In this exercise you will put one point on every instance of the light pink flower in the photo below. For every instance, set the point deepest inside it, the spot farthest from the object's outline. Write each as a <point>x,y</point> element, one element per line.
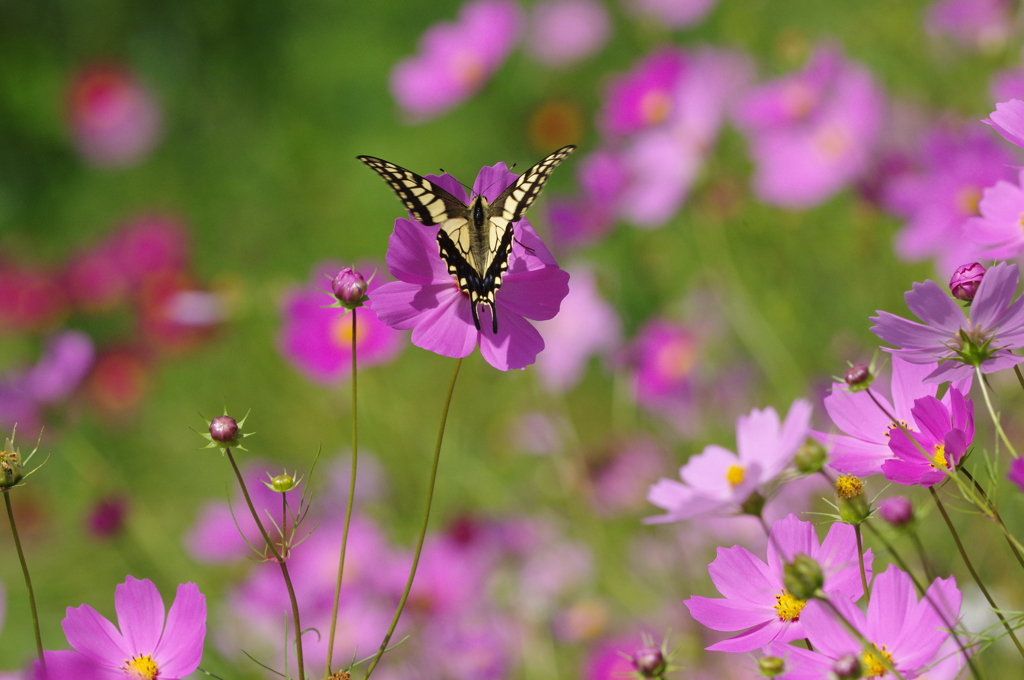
<point>563,32</point>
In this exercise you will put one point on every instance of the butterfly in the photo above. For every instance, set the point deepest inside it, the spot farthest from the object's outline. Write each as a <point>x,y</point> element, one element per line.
<point>474,240</point>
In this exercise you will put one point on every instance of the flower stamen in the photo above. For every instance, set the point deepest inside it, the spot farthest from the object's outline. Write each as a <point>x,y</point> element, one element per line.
<point>788,607</point>
<point>734,475</point>
<point>140,667</point>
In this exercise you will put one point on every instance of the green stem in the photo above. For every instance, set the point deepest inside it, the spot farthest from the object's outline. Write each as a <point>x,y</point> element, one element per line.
<point>974,574</point>
<point>280,560</point>
<point>860,558</point>
<point>992,413</point>
<point>926,564</point>
<point>994,514</point>
<point>348,504</point>
<point>28,581</point>
<point>423,528</point>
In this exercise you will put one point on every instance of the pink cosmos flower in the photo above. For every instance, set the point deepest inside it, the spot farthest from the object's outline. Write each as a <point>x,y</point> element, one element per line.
<point>942,432</point>
<point>317,338</point>
<point>456,58</point>
<point>1008,120</point>
<point>1016,473</point>
<point>664,357</point>
<point>32,299</point>
<point>113,117</point>
<point>676,13</point>
<point>718,481</point>
<point>145,646</point>
<point>585,325</point>
<point>643,97</point>
<point>864,447</point>
<point>563,32</point>
<point>812,133</point>
<point>913,634</point>
<point>959,343</point>
<point>998,230</point>
<point>427,300</point>
<point>982,24</point>
<point>943,193</point>
<point>755,598</point>
<point>576,222</point>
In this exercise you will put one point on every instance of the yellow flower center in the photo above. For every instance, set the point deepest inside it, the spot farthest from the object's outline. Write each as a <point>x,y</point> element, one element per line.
<point>676,359</point>
<point>788,607</point>
<point>967,200</point>
<point>341,332</point>
<point>140,667</point>
<point>848,486</point>
<point>873,665</point>
<point>939,456</point>
<point>734,475</point>
<point>833,141</point>
<point>655,106</point>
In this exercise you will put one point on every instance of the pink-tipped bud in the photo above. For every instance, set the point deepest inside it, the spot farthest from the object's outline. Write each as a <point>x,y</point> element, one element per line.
<point>847,667</point>
<point>897,511</point>
<point>965,281</point>
<point>649,662</point>
<point>223,429</point>
<point>349,288</point>
<point>106,519</point>
<point>857,375</point>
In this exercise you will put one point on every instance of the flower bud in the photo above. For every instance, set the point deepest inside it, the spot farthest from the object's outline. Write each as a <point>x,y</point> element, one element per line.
<point>11,471</point>
<point>965,281</point>
<point>106,519</point>
<point>859,377</point>
<point>282,483</point>
<point>649,662</point>
<point>770,666</point>
<point>802,578</point>
<point>853,506</point>
<point>224,429</point>
<point>897,511</point>
<point>847,667</point>
<point>810,457</point>
<point>753,505</point>
<point>349,288</point>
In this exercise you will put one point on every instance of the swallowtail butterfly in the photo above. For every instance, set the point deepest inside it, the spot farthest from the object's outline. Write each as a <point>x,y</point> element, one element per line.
<point>475,240</point>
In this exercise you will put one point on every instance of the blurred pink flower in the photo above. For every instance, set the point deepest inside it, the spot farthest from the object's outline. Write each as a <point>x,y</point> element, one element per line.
<point>620,484</point>
<point>32,299</point>
<point>114,119</point>
<point>563,32</point>
<point>1016,473</point>
<point>149,244</point>
<point>609,660</point>
<point>644,96</point>
<point>95,280</point>
<point>663,358</point>
<point>675,13</point>
<point>937,198</point>
<point>1008,120</point>
<point>585,325</point>
<point>575,222</point>
<point>456,58</point>
<point>427,300</point>
<point>981,24</point>
<point>998,230</point>
<point>812,133</point>
<point>317,338</point>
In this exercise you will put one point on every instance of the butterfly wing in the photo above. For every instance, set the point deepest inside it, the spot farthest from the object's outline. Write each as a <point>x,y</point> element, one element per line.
<point>512,203</point>
<point>428,203</point>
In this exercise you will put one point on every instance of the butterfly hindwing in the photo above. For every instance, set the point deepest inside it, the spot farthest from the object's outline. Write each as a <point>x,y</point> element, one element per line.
<point>474,240</point>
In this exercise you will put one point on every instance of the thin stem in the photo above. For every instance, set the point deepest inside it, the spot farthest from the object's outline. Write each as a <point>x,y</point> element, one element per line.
<point>926,564</point>
<point>860,558</point>
<point>992,413</point>
<point>1010,540</point>
<point>896,557</point>
<point>1020,377</point>
<point>28,581</point>
<point>423,529</point>
<point>348,504</point>
<point>974,574</point>
<point>280,560</point>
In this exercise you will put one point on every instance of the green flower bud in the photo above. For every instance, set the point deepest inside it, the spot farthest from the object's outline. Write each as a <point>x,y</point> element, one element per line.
<point>853,505</point>
<point>753,505</point>
<point>770,666</point>
<point>11,471</point>
<point>803,577</point>
<point>282,483</point>
<point>810,457</point>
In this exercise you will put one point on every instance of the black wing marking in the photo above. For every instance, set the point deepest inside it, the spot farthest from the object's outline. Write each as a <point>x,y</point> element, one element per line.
<point>481,286</point>
<point>428,203</point>
<point>514,201</point>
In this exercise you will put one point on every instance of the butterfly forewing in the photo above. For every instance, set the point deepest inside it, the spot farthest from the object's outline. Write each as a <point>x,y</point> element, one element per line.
<point>474,240</point>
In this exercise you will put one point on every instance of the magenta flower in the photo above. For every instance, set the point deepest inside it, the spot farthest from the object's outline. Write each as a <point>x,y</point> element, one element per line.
<point>719,481</point>
<point>982,24</point>
<point>812,133</point>
<point>755,598</point>
<point>1016,473</point>
<point>643,97</point>
<point>664,357</point>
<point>317,339</point>
<point>563,32</point>
<point>985,340</point>
<point>864,446</point>
<point>1008,120</point>
<point>913,635</point>
<point>576,222</point>
<point>427,300</point>
<point>113,117</point>
<point>965,281</point>
<point>145,647</point>
<point>456,58</point>
<point>943,193</point>
<point>585,325</point>
<point>941,436</point>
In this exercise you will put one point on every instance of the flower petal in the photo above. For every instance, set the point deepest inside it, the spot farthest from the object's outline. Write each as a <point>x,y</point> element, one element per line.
<point>514,346</point>
<point>935,307</point>
<point>998,286</point>
<point>181,647</point>
<point>140,614</point>
<point>95,637</point>
<point>721,614</point>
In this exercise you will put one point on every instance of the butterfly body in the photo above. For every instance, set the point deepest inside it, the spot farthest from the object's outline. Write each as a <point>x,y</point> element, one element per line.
<point>474,240</point>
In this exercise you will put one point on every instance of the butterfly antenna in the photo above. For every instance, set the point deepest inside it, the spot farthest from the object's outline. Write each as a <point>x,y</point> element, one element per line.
<point>525,247</point>
<point>469,190</point>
